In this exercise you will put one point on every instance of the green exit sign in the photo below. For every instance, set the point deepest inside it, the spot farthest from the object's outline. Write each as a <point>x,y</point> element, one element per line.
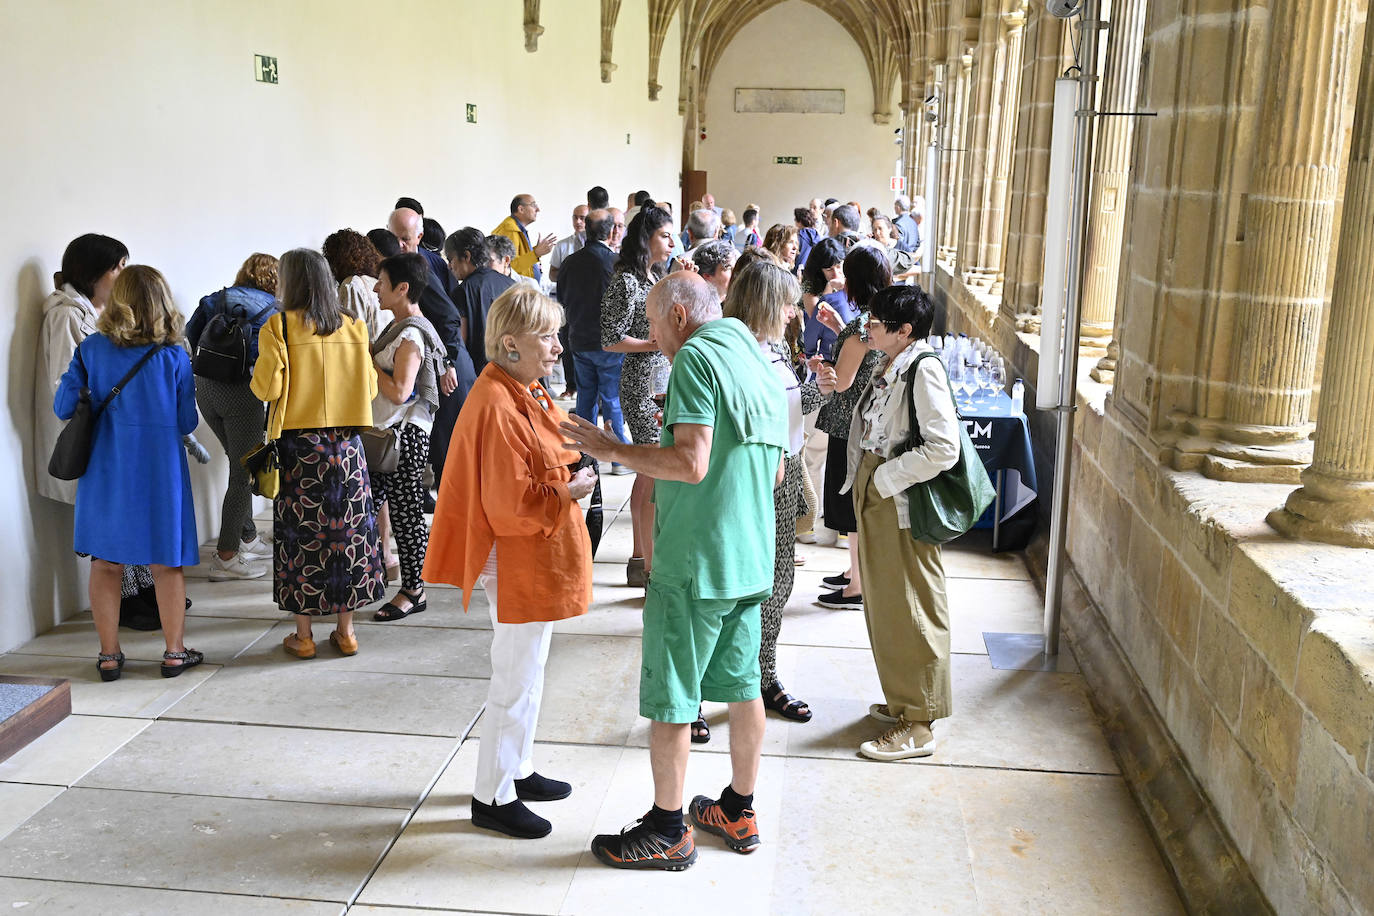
<point>265,68</point>
<point>472,113</point>
<point>787,160</point>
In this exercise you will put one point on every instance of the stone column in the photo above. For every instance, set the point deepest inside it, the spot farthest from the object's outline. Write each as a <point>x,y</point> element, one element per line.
<point>981,134</point>
<point>955,146</point>
<point>1288,229</point>
<point>1009,88</point>
<point>1336,501</point>
<point>1031,164</point>
<point>1111,173</point>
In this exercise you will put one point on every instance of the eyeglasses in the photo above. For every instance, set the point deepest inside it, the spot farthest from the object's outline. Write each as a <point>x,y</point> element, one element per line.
<point>892,326</point>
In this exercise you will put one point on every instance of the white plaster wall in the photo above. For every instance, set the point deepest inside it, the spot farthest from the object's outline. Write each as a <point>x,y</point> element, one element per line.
<point>795,46</point>
<point>143,121</point>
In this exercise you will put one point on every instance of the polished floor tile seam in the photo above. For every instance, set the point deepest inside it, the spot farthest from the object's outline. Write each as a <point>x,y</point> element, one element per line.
<point>410,815</point>
<point>271,897</point>
<point>321,728</point>
<point>188,793</point>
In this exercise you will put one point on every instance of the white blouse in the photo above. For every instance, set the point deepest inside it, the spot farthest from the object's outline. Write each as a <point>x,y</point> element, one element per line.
<point>788,380</point>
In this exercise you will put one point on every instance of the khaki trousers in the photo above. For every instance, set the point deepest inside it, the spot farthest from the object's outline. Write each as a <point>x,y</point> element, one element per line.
<point>904,604</point>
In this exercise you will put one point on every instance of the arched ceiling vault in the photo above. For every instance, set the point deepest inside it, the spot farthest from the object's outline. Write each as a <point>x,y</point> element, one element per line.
<point>896,38</point>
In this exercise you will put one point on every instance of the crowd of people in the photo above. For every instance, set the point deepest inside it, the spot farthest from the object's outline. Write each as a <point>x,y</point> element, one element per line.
<point>761,386</point>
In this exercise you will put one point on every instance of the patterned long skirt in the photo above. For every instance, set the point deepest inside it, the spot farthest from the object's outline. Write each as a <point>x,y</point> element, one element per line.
<point>327,557</point>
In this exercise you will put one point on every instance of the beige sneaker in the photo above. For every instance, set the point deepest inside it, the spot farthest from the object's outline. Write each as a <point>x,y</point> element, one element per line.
<point>904,739</point>
<point>880,712</point>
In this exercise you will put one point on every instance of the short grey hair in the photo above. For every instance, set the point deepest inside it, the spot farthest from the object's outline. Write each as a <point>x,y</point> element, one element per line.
<point>714,256</point>
<point>902,204</point>
<point>703,224</point>
<point>697,297</point>
<point>918,207</point>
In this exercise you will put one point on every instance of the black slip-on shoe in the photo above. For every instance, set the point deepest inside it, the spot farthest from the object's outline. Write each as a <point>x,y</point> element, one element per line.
<point>512,819</point>
<point>536,788</point>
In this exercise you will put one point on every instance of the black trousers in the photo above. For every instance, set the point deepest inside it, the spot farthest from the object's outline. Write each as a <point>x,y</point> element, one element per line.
<point>447,414</point>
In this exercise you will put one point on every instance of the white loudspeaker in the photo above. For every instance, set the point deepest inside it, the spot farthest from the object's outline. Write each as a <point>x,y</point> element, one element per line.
<point>1063,9</point>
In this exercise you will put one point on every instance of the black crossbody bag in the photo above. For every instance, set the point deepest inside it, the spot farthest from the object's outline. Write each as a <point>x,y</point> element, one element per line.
<point>72,453</point>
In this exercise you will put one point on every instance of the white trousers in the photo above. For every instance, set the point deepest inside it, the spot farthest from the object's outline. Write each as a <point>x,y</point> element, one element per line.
<point>813,456</point>
<point>519,652</point>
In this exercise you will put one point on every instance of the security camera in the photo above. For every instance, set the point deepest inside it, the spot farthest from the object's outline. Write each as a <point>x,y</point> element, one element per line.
<point>1063,9</point>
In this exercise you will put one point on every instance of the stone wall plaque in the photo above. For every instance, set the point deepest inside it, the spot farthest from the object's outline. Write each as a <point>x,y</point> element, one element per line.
<point>789,101</point>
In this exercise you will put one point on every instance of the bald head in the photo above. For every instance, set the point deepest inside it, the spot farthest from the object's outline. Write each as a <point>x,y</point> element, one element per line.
<point>408,227</point>
<point>599,225</point>
<point>677,305</point>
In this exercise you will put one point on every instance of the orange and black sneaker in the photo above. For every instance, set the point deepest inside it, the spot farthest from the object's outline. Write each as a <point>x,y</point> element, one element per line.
<point>741,834</point>
<point>639,846</point>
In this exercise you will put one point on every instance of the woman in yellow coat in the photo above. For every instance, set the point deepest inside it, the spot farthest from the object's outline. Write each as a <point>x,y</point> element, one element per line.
<point>315,372</point>
<point>508,513</point>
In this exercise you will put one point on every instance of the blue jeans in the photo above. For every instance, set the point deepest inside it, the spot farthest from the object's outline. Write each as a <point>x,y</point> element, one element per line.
<point>598,381</point>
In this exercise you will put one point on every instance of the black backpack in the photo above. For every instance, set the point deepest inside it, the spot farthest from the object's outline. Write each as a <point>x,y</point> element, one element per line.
<point>222,352</point>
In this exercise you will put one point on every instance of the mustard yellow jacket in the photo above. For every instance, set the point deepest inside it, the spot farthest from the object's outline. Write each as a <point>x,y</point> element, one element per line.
<point>323,383</point>
<point>524,260</point>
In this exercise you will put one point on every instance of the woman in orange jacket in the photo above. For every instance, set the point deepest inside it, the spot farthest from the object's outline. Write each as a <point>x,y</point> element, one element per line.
<point>507,512</point>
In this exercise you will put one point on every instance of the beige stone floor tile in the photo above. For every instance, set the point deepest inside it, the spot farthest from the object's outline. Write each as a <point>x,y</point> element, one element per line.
<point>442,861</point>
<point>220,638</point>
<point>805,623</point>
<point>193,843</point>
<point>978,606</point>
<point>976,560</point>
<point>142,692</point>
<point>70,749</point>
<point>19,802</point>
<point>278,764</point>
<point>383,648</point>
<point>721,881</point>
<point>53,898</point>
<point>1064,844</point>
<point>292,692</point>
<point>246,598</point>
<point>910,827</point>
<point>591,691</point>
<point>1031,720</point>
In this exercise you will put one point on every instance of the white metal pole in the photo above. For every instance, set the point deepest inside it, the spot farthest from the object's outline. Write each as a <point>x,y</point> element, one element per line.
<point>1068,366</point>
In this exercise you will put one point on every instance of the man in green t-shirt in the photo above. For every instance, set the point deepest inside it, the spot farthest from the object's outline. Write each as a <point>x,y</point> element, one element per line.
<point>724,432</point>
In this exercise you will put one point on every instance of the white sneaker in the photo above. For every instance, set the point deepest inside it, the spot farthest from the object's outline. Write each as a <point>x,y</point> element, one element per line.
<point>237,567</point>
<point>256,549</point>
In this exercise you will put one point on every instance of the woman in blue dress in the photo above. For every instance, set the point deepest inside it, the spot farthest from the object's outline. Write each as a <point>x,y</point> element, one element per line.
<point>133,504</point>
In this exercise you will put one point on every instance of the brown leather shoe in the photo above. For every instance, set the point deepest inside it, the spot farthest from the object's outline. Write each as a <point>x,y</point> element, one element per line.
<point>347,645</point>
<point>301,648</point>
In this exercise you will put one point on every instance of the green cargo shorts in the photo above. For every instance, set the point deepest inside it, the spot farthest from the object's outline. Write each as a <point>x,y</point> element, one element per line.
<point>696,649</point>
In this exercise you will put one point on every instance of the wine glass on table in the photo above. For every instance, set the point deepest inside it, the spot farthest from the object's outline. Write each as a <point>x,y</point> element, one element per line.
<point>998,377</point>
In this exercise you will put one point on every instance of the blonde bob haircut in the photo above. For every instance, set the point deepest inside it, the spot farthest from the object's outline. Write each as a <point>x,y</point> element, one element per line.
<point>759,296</point>
<point>519,310</point>
<point>141,310</point>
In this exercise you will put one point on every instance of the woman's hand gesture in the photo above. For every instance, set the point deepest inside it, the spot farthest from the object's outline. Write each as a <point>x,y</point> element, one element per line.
<point>582,483</point>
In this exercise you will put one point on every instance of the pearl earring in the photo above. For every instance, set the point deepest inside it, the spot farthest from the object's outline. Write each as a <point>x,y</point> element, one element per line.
<point>513,356</point>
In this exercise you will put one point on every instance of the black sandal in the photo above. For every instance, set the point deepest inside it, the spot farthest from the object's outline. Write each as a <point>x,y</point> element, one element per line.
<point>701,732</point>
<point>390,611</point>
<point>110,674</point>
<point>189,658</point>
<point>784,704</point>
